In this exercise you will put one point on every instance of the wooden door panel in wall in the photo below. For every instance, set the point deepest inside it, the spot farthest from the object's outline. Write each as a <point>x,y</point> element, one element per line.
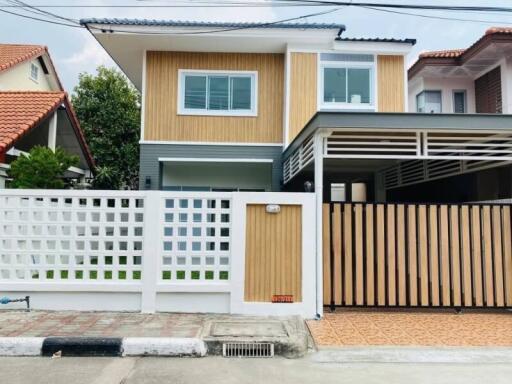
<point>273,256</point>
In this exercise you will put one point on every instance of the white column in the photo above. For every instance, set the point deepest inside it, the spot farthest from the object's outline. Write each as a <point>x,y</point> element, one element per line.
<point>150,257</point>
<point>319,192</point>
<point>52,132</point>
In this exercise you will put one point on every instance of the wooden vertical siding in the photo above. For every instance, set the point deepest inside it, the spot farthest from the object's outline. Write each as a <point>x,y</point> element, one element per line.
<point>273,259</point>
<point>162,121</point>
<point>390,83</point>
<point>413,255</point>
<point>303,90</point>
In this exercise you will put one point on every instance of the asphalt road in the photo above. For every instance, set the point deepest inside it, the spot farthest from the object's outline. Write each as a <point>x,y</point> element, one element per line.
<point>145,370</point>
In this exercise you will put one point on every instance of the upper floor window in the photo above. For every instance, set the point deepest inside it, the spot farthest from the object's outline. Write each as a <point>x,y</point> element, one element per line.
<point>217,93</point>
<point>428,102</point>
<point>459,101</point>
<point>34,72</point>
<point>346,83</point>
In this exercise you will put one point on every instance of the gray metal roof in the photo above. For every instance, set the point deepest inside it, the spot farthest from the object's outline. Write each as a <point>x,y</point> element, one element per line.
<point>377,40</point>
<point>204,24</point>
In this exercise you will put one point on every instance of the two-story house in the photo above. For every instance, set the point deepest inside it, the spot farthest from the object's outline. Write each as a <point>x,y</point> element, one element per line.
<point>35,110</point>
<point>477,79</point>
<point>294,107</point>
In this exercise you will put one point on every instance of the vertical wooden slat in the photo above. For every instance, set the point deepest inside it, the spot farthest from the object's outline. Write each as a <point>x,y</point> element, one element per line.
<point>347,253</point>
<point>498,257</point>
<point>477,255</point>
<point>455,255</point>
<point>487,255</point>
<point>434,255</point>
<point>381,254</point>
<point>444,241</point>
<point>370,276</point>
<point>337,245</point>
<point>273,253</point>
<point>423,253</point>
<point>466,256</point>
<point>507,254</point>
<point>359,254</point>
<point>412,255</point>
<point>391,257</point>
<point>402,273</point>
<point>326,250</point>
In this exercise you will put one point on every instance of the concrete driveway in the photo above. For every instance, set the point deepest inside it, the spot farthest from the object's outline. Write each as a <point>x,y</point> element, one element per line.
<point>418,327</point>
<point>20,370</point>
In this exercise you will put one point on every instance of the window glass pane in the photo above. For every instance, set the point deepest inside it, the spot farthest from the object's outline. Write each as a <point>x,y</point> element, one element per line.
<point>335,82</point>
<point>358,85</point>
<point>420,103</point>
<point>195,92</point>
<point>459,102</point>
<point>240,93</point>
<point>218,93</point>
<point>432,102</point>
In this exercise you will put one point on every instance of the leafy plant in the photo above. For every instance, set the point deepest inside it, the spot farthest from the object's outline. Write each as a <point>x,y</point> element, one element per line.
<point>108,108</point>
<point>41,169</point>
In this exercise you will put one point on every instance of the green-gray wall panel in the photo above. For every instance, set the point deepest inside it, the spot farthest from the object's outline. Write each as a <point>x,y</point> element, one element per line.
<point>150,153</point>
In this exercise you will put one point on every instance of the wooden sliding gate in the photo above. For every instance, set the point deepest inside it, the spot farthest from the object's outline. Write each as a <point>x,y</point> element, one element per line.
<point>412,255</point>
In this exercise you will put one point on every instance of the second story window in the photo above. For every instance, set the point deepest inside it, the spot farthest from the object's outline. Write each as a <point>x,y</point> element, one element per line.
<point>34,72</point>
<point>217,93</point>
<point>347,81</point>
<point>428,102</point>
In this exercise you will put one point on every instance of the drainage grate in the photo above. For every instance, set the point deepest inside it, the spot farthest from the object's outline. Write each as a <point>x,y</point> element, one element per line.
<point>248,350</point>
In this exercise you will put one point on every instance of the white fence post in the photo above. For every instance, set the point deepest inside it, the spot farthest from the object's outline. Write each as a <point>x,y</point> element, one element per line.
<point>150,256</point>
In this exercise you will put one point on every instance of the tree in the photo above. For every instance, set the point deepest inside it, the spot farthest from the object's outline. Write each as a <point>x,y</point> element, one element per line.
<point>108,108</point>
<point>41,169</point>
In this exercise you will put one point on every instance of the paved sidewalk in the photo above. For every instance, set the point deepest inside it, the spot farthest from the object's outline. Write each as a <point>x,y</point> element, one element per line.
<point>428,327</point>
<point>101,324</point>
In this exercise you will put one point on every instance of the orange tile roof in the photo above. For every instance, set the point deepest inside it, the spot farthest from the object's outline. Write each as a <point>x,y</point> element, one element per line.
<point>12,54</point>
<point>458,55</point>
<point>446,53</point>
<point>21,111</point>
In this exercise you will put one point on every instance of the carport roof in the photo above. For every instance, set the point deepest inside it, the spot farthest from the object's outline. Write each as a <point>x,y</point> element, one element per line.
<point>379,120</point>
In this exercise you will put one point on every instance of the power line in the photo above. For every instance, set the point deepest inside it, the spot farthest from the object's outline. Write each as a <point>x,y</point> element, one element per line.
<point>436,17</point>
<point>39,19</point>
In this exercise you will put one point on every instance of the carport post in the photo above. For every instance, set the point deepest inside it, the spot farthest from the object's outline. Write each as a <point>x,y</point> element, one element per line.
<point>319,192</point>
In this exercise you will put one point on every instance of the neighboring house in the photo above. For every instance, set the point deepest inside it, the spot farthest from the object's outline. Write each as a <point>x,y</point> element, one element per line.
<point>35,110</point>
<point>477,79</point>
<point>272,107</point>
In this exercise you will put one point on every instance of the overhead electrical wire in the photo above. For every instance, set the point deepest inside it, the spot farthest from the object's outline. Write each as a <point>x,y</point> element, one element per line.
<point>53,18</point>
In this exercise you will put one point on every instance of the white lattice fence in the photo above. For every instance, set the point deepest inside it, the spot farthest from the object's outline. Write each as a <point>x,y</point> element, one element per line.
<point>136,250</point>
<point>66,238</point>
<point>196,245</point>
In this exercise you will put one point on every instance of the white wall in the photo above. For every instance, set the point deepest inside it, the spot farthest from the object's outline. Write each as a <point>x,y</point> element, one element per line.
<point>18,79</point>
<point>218,175</point>
<point>446,86</point>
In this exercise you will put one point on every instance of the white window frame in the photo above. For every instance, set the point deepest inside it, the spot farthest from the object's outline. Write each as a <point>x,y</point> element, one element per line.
<point>332,106</point>
<point>32,67</point>
<point>206,112</point>
<point>430,90</point>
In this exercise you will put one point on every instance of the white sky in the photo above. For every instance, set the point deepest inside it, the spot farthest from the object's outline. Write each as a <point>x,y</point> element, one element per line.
<point>74,50</point>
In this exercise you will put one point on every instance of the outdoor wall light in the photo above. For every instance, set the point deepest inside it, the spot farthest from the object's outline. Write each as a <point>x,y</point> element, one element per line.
<point>148,182</point>
<point>273,208</point>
